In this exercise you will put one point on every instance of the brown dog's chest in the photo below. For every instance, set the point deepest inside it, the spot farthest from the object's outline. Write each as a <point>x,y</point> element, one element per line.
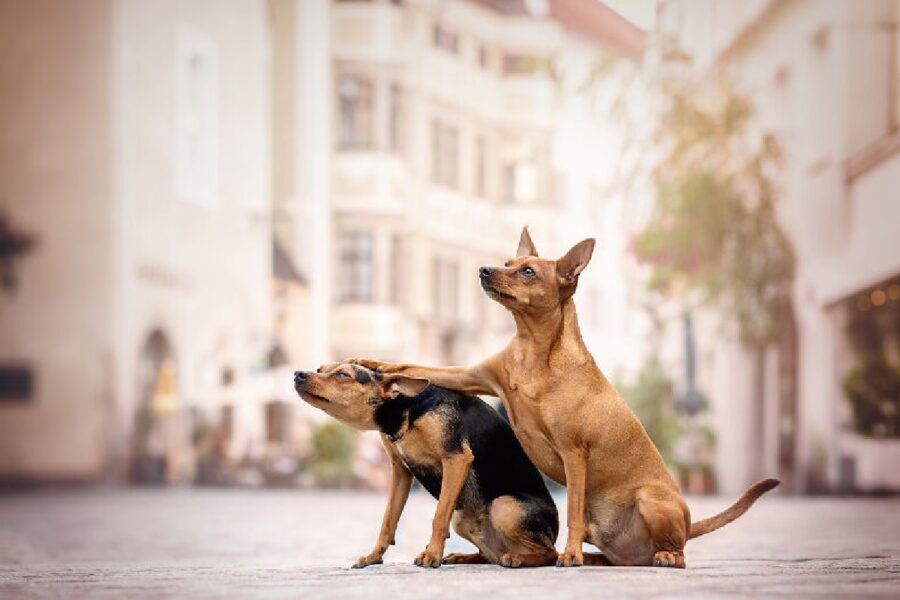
<point>531,426</point>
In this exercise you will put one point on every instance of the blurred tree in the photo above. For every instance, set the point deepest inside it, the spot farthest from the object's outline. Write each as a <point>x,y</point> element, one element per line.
<point>714,229</point>
<point>712,238</point>
<point>334,448</point>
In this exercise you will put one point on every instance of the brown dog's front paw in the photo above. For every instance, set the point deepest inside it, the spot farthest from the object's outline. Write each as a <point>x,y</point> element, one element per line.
<point>428,559</point>
<point>510,561</point>
<point>570,559</point>
<point>669,559</point>
<point>365,561</point>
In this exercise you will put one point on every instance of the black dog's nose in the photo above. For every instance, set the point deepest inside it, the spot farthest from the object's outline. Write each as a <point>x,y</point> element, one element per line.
<point>485,272</point>
<point>300,376</point>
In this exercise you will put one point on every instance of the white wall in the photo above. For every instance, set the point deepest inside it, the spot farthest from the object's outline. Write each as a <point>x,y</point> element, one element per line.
<point>55,141</point>
<point>199,269</point>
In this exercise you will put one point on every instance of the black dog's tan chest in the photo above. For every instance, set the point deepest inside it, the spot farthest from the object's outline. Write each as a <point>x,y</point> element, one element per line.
<point>421,447</point>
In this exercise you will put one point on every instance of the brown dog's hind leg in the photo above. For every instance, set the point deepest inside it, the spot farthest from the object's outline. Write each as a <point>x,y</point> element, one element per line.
<point>595,559</point>
<point>664,558</point>
<point>666,520</point>
<point>462,558</point>
<point>534,559</point>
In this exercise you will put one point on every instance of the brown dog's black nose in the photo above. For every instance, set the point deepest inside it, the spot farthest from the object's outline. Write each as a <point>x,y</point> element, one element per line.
<point>300,376</point>
<point>486,272</point>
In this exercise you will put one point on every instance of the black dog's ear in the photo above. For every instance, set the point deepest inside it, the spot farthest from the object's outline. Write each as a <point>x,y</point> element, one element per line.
<point>526,246</point>
<point>573,263</point>
<point>394,385</point>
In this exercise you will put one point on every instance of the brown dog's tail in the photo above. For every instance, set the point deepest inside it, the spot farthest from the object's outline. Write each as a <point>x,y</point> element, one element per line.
<point>735,510</point>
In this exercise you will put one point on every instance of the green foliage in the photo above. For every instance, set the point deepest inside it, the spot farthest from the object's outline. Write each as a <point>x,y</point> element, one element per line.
<point>334,448</point>
<point>714,231</point>
<point>651,397</point>
<point>873,389</point>
<point>873,386</point>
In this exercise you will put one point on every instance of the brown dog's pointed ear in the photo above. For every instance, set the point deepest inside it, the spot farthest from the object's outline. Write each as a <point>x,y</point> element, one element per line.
<point>394,385</point>
<point>573,263</point>
<point>526,246</point>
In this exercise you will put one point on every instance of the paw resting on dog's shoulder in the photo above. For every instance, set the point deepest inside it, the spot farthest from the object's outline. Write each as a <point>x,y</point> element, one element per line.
<point>373,365</point>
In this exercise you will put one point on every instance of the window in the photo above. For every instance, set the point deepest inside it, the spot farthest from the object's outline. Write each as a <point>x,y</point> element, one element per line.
<point>278,422</point>
<point>445,154</point>
<point>355,111</point>
<point>226,420</point>
<point>445,40</point>
<point>520,181</point>
<point>480,167</point>
<point>398,264</point>
<point>484,57</point>
<point>355,276</point>
<point>196,118</point>
<point>520,64</point>
<point>446,290</point>
<point>396,130</point>
<point>16,384</point>
<point>782,78</point>
<point>558,187</point>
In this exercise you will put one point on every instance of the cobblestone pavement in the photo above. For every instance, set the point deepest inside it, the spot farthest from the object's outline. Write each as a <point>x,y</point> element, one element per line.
<point>128,543</point>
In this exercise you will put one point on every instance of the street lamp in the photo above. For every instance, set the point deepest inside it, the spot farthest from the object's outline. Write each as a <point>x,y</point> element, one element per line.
<point>13,244</point>
<point>692,401</point>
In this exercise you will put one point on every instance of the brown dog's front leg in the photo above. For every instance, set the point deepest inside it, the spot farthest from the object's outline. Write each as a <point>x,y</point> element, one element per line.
<point>468,380</point>
<point>401,481</point>
<point>575,464</point>
<point>455,471</point>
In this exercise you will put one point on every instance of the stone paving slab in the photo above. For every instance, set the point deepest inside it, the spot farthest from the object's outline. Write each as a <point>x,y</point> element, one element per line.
<point>129,543</point>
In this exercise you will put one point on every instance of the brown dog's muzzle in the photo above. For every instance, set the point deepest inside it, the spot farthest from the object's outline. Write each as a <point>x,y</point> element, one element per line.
<point>486,274</point>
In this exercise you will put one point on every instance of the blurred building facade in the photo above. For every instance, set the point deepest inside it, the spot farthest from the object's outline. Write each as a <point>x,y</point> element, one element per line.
<point>447,126</point>
<point>825,76</point>
<point>134,146</point>
<point>220,192</point>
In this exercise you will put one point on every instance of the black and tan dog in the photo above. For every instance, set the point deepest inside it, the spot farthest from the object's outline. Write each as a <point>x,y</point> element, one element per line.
<point>460,450</point>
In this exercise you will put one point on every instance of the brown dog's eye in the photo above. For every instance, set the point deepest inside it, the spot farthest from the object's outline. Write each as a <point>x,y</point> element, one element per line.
<point>506,264</point>
<point>528,272</point>
<point>341,375</point>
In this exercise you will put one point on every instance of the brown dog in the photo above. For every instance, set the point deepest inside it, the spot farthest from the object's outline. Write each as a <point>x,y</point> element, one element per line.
<point>574,425</point>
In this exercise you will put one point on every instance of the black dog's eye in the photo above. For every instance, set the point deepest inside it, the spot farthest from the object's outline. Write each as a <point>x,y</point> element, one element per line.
<point>528,272</point>
<point>341,375</point>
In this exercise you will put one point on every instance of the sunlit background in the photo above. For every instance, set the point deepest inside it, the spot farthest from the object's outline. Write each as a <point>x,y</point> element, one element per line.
<point>198,197</point>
